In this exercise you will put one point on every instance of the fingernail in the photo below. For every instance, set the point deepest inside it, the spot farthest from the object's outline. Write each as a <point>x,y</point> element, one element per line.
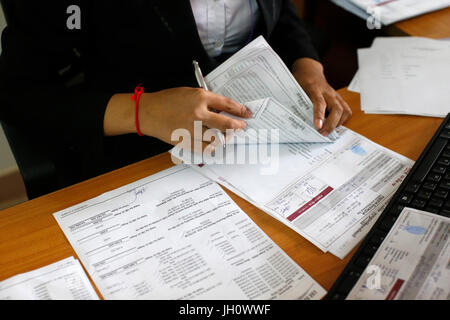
<point>248,112</point>
<point>319,123</point>
<point>324,133</point>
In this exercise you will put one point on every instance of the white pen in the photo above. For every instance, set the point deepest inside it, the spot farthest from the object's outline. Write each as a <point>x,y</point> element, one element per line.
<point>202,83</point>
<point>199,76</point>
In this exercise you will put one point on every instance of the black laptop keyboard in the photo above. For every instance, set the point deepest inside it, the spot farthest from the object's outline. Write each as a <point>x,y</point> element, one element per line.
<point>426,187</point>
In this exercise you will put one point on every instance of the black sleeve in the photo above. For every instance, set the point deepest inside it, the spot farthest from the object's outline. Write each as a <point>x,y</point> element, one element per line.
<point>290,38</point>
<point>37,51</point>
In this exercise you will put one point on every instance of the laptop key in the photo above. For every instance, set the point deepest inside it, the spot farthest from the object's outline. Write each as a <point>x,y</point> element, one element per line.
<point>429,186</point>
<point>445,185</point>
<point>428,162</point>
<point>445,213</point>
<point>412,187</point>
<point>434,177</point>
<point>405,198</point>
<point>439,169</point>
<point>418,204</point>
<point>423,194</point>
<point>441,194</point>
<point>444,162</point>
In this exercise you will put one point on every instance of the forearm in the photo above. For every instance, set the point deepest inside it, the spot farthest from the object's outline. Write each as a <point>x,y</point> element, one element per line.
<point>310,68</point>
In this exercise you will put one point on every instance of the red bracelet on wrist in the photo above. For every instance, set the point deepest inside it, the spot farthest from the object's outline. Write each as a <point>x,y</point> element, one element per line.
<point>137,94</point>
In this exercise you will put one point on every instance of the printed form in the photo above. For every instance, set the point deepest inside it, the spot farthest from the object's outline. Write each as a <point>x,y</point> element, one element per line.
<point>178,235</point>
<point>331,194</point>
<point>412,263</point>
<point>62,280</point>
<point>256,73</point>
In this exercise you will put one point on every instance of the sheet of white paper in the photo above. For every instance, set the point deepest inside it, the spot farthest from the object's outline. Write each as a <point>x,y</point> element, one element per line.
<point>412,263</point>
<point>354,84</point>
<point>257,72</point>
<point>62,280</point>
<point>405,77</point>
<point>178,235</point>
<point>390,11</point>
<point>331,194</point>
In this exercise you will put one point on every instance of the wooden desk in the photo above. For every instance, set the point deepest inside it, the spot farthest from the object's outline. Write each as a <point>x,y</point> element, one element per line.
<point>30,237</point>
<point>434,25</point>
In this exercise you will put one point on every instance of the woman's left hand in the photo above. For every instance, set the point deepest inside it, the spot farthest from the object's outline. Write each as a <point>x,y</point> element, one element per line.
<point>310,76</point>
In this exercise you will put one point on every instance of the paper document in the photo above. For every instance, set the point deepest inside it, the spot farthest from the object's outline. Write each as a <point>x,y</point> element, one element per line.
<point>405,75</point>
<point>178,235</point>
<point>331,194</point>
<point>268,113</point>
<point>62,280</point>
<point>256,72</point>
<point>412,263</point>
<point>390,11</point>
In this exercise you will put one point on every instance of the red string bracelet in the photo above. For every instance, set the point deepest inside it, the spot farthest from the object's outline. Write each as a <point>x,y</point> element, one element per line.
<point>137,94</point>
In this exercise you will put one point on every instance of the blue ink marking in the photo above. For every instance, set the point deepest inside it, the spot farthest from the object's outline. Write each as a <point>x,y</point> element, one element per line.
<point>357,149</point>
<point>416,230</point>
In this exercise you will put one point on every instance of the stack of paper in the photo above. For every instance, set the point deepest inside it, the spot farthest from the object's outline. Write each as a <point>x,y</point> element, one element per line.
<point>404,75</point>
<point>62,280</point>
<point>391,11</point>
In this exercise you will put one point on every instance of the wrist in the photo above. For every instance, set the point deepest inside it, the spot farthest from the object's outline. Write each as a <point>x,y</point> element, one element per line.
<point>119,115</point>
<point>308,65</point>
<point>148,120</point>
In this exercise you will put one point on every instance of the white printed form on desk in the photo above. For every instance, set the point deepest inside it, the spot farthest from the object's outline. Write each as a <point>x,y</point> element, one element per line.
<point>178,235</point>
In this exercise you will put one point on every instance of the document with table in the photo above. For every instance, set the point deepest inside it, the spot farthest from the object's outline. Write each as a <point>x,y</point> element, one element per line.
<point>331,194</point>
<point>256,73</point>
<point>178,235</point>
<point>411,72</point>
<point>412,263</point>
<point>62,280</point>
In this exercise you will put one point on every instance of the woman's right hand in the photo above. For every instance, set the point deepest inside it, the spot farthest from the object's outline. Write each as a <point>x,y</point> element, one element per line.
<point>163,112</point>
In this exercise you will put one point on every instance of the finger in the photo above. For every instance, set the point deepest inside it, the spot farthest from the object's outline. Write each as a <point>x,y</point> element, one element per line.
<point>320,107</point>
<point>228,105</point>
<point>334,117</point>
<point>222,122</point>
<point>347,112</point>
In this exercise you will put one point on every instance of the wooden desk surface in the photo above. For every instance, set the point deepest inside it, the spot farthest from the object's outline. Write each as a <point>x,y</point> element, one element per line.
<point>434,25</point>
<point>30,237</point>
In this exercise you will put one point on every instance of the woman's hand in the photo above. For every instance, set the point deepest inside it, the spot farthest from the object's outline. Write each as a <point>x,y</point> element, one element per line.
<point>310,76</point>
<point>162,112</point>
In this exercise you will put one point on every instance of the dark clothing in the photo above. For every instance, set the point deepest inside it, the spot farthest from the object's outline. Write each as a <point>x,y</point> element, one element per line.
<point>120,44</point>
